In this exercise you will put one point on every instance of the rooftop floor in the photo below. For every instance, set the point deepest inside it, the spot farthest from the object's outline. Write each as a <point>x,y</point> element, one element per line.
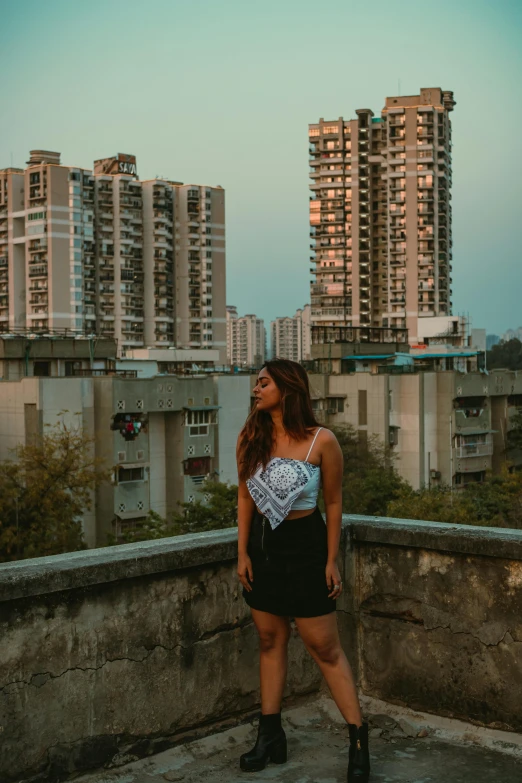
<point>406,747</point>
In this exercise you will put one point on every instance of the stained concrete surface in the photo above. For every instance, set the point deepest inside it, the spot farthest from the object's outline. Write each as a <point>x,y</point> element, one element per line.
<point>403,750</point>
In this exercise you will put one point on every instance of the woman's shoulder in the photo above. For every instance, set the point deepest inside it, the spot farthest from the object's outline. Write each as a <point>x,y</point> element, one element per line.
<point>324,440</point>
<point>323,435</point>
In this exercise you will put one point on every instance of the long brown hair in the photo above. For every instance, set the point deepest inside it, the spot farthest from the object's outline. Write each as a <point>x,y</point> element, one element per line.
<point>256,437</point>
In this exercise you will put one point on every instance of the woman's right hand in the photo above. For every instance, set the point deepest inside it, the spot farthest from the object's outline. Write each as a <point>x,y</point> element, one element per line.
<point>244,571</point>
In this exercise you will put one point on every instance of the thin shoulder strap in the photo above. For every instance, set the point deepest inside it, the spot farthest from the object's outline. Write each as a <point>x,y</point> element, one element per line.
<point>311,447</point>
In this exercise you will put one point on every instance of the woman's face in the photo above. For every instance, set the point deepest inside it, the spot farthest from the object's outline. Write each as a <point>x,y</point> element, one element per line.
<point>266,392</point>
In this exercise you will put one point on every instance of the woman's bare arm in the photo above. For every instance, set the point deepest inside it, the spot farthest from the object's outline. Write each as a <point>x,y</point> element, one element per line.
<point>332,476</point>
<point>245,510</point>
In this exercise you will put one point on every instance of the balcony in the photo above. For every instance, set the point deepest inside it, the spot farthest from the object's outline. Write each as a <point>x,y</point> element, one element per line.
<point>38,271</point>
<point>474,450</point>
<point>35,245</point>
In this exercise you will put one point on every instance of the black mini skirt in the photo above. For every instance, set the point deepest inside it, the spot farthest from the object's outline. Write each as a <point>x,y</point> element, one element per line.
<point>289,567</point>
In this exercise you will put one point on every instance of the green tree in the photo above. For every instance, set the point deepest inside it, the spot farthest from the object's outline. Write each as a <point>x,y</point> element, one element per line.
<point>497,502</point>
<point>370,478</point>
<point>438,504</point>
<point>219,512</point>
<point>505,355</point>
<point>45,491</point>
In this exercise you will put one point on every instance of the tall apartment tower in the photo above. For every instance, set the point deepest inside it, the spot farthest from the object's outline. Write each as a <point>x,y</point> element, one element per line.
<point>246,339</point>
<point>380,215</point>
<point>290,336</point>
<point>119,250</point>
<point>200,268</point>
<point>104,253</point>
<point>46,244</point>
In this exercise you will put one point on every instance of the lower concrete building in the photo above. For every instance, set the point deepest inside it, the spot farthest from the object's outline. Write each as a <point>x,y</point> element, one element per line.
<point>444,426</point>
<point>162,435</point>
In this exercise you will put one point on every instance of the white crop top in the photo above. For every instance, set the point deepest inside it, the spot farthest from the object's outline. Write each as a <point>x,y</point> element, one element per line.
<point>285,484</point>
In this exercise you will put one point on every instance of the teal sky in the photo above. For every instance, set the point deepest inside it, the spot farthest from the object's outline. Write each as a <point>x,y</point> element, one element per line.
<point>222,91</point>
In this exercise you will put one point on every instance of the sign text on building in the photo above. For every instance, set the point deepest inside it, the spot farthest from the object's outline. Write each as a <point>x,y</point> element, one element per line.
<point>126,168</point>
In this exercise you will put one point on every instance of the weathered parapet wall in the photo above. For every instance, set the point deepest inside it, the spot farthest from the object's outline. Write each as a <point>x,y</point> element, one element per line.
<point>438,615</point>
<point>120,650</point>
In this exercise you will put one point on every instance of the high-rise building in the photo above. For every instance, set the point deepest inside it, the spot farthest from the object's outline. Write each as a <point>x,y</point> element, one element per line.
<point>103,253</point>
<point>290,336</point>
<point>46,244</point>
<point>380,215</point>
<point>246,339</point>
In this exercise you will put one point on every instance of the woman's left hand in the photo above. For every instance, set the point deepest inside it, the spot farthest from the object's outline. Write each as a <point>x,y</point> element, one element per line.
<point>333,580</point>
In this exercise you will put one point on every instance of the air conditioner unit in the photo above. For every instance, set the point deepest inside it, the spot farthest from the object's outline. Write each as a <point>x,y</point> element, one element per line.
<point>435,474</point>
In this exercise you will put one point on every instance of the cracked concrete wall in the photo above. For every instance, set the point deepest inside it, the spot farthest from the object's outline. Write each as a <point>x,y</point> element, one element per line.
<point>126,666</point>
<point>440,631</point>
<point>126,649</point>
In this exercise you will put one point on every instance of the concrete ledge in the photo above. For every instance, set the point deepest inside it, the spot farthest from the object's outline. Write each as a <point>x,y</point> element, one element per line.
<point>42,575</point>
<point>441,536</point>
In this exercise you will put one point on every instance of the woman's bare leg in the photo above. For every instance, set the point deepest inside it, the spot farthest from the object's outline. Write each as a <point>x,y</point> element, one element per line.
<point>321,638</point>
<point>274,633</point>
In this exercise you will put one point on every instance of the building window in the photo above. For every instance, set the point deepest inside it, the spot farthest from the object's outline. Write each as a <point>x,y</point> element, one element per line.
<point>129,425</point>
<point>130,474</point>
<point>196,466</point>
<point>197,417</point>
<point>335,404</point>
<point>71,367</point>
<point>198,430</point>
<point>461,479</point>
<point>198,421</point>
<point>42,369</point>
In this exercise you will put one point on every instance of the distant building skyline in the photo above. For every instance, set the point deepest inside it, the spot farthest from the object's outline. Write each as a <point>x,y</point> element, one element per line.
<point>101,252</point>
<point>246,339</point>
<point>290,336</point>
<point>266,131</point>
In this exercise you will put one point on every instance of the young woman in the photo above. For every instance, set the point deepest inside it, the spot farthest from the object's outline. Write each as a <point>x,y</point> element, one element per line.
<point>287,555</point>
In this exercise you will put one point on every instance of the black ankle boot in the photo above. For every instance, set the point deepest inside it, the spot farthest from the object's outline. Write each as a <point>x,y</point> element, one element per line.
<point>359,755</point>
<point>270,745</point>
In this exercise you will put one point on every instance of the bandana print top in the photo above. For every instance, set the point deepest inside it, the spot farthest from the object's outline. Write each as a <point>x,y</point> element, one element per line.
<point>275,489</point>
